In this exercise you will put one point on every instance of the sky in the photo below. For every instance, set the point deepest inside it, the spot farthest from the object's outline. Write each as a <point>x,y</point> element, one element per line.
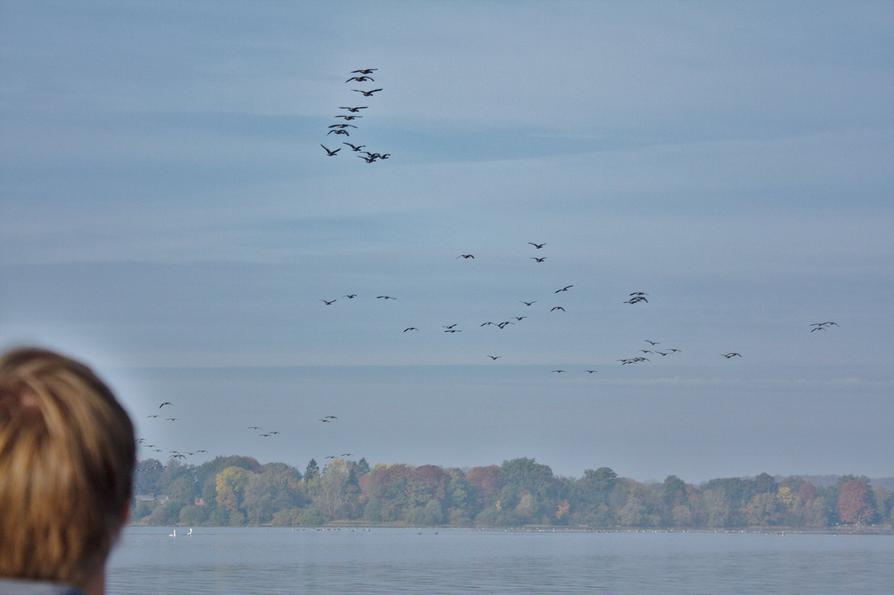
<point>167,214</point>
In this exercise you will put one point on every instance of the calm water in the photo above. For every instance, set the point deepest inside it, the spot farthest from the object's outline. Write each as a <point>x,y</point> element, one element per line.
<point>265,560</point>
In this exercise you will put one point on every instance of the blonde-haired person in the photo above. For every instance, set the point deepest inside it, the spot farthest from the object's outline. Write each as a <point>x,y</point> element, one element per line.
<point>67,457</point>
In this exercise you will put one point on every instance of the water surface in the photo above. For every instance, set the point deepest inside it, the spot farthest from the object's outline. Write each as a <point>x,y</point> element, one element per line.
<point>266,560</point>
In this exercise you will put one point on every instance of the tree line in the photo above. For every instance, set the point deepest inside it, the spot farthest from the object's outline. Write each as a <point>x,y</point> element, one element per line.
<point>238,491</point>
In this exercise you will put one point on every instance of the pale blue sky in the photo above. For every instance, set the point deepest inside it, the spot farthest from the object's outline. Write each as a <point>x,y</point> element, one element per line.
<point>166,211</point>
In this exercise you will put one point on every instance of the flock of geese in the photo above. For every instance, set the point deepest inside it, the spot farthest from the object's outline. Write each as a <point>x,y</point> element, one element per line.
<point>352,113</point>
<point>343,128</point>
<point>633,298</point>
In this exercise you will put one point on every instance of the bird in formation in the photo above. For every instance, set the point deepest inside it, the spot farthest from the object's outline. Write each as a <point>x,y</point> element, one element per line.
<point>538,246</point>
<point>731,355</point>
<point>361,75</point>
<point>165,403</point>
<point>467,256</point>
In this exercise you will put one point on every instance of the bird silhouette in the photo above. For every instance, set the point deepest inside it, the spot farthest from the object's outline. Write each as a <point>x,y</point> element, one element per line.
<point>354,110</point>
<point>731,355</point>
<point>330,152</point>
<point>453,330</point>
<point>328,302</point>
<point>519,318</point>
<point>366,93</point>
<point>360,79</point>
<point>539,258</point>
<point>558,371</point>
<point>651,342</point>
<point>449,326</point>
<point>165,403</point>
<point>355,148</point>
<point>566,288</point>
<point>152,416</point>
<point>529,304</point>
<point>411,328</point>
<point>494,357</point>
<point>339,131</point>
<point>341,126</point>
<point>536,245</point>
<point>348,117</point>
<point>592,371</point>
<point>351,296</point>
<point>554,308</point>
<point>385,297</point>
<point>467,256</point>
<point>364,71</point>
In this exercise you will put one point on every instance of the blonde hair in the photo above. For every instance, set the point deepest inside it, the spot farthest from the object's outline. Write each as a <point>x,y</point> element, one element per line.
<point>67,456</point>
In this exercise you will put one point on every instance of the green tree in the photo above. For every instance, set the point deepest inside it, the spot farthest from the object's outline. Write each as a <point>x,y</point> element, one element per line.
<point>146,477</point>
<point>276,487</point>
<point>312,472</point>
<point>231,484</point>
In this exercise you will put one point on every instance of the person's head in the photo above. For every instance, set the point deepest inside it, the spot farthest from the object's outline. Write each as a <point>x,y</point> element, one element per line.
<point>67,456</point>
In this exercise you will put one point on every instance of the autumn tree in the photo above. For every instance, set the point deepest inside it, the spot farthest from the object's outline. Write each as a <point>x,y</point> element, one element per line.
<point>855,501</point>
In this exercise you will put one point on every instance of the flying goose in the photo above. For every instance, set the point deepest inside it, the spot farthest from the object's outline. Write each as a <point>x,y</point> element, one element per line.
<point>330,152</point>
<point>366,93</point>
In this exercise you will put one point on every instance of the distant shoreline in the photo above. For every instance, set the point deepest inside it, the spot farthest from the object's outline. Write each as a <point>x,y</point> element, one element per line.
<point>868,530</point>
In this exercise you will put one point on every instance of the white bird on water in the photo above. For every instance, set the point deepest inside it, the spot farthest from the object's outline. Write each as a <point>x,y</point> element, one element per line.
<point>173,533</point>
<point>189,532</point>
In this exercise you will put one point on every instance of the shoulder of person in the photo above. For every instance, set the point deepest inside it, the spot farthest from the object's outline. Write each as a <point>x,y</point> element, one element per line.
<point>23,587</point>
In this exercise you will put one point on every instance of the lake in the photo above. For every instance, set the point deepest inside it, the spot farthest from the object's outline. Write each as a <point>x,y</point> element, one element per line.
<point>267,560</point>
